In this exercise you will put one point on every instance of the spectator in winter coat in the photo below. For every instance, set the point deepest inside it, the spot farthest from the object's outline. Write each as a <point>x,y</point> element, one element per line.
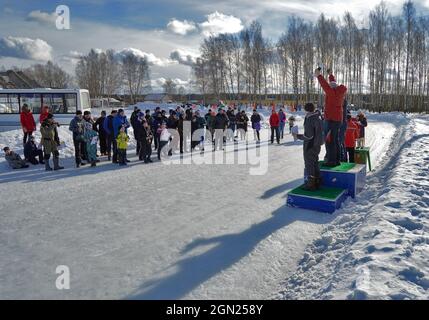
<point>119,121</point>
<point>164,138</point>
<point>77,128</point>
<point>220,125</point>
<point>282,118</point>
<point>363,123</point>
<point>110,137</point>
<point>43,114</point>
<point>334,99</point>
<point>91,140</point>
<point>255,119</point>
<point>102,134</point>
<point>31,151</point>
<point>352,134</point>
<point>27,122</point>
<point>122,143</point>
<point>313,140</point>
<point>134,123</point>
<point>232,123</point>
<point>13,159</point>
<point>50,145</point>
<point>146,142</point>
<point>242,120</point>
<point>274,124</point>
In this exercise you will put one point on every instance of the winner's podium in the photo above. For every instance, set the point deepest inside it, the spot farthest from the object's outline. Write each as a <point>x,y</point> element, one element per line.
<point>338,183</point>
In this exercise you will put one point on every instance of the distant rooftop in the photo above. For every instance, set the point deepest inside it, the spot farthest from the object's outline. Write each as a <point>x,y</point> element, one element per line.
<point>17,80</point>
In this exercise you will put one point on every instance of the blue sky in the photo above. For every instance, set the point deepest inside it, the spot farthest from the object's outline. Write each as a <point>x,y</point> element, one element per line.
<point>167,32</point>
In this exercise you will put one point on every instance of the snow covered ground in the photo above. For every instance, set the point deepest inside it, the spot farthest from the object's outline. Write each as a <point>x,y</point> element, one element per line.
<point>215,231</point>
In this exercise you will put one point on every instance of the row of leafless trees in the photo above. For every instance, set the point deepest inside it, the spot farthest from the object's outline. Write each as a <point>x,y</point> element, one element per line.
<point>106,73</point>
<point>49,75</point>
<point>385,64</point>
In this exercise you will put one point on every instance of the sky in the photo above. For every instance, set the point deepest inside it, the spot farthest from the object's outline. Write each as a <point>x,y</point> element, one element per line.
<point>168,33</point>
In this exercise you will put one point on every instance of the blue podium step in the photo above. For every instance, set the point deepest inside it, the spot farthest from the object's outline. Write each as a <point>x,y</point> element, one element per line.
<point>347,176</point>
<point>327,199</point>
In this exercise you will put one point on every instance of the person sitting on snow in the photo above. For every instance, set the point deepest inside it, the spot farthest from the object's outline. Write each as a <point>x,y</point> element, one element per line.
<point>14,159</point>
<point>313,140</point>
<point>31,151</point>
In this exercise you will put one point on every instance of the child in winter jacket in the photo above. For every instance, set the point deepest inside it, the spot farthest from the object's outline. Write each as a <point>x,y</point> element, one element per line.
<point>291,121</point>
<point>122,142</point>
<point>313,140</point>
<point>352,134</point>
<point>164,138</point>
<point>91,140</point>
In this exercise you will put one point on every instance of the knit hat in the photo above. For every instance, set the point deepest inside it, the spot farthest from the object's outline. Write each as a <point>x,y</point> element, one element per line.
<point>5,149</point>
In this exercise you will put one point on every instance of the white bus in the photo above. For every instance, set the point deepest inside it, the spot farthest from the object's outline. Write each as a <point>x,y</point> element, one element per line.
<point>63,103</point>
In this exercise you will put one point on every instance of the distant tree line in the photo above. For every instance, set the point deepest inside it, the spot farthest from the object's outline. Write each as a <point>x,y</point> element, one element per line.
<point>385,65</point>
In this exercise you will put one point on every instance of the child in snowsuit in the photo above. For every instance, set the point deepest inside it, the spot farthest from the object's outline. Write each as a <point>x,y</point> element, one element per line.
<point>31,151</point>
<point>91,140</point>
<point>295,132</point>
<point>313,140</point>
<point>352,134</point>
<point>122,142</point>
<point>291,121</point>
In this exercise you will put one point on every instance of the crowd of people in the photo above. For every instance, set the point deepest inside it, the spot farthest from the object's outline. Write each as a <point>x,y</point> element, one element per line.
<point>184,129</point>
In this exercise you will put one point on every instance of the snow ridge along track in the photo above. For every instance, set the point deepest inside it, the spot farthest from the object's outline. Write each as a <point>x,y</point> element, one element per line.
<point>377,246</point>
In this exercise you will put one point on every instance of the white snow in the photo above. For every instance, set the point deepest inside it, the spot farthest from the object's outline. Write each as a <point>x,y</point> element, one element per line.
<point>214,231</point>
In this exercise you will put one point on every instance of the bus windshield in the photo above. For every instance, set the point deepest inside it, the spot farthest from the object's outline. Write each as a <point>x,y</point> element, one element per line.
<point>84,97</point>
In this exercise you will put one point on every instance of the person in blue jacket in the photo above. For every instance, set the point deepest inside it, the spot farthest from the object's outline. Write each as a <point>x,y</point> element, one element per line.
<point>119,121</point>
<point>110,139</point>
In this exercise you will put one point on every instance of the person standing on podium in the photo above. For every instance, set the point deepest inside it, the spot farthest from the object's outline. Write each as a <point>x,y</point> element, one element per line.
<point>334,100</point>
<point>313,140</point>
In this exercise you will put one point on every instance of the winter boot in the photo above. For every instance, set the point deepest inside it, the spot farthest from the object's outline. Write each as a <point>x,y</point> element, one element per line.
<point>47,166</point>
<point>57,164</point>
<point>319,182</point>
<point>310,185</point>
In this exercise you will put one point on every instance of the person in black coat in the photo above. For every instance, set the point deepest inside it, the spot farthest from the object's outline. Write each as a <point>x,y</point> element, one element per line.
<point>221,122</point>
<point>110,137</point>
<point>145,140</point>
<point>102,134</point>
<point>31,151</point>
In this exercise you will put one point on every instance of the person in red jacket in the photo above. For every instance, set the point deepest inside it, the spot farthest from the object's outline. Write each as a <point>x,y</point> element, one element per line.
<point>274,124</point>
<point>43,114</point>
<point>334,99</point>
<point>27,122</point>
<point>352,134</point>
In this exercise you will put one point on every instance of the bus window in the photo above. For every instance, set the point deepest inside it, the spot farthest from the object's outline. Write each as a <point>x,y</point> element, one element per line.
<point>71,103</point>
<point>55,102</point>
<point>33,100</point>
<point>84,100</point>
<point>9,103</point>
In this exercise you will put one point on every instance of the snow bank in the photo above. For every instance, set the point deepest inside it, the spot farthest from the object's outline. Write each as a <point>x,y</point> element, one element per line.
<point>377,247</point>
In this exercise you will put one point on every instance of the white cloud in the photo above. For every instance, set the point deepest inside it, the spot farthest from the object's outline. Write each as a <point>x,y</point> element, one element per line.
<point>181,27</point>
<point>183,57</point>
<point>218,23</point>
<point>25,48</point>
<point>157,84</point>
<point>150,57</point>
<point>42,17</point>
